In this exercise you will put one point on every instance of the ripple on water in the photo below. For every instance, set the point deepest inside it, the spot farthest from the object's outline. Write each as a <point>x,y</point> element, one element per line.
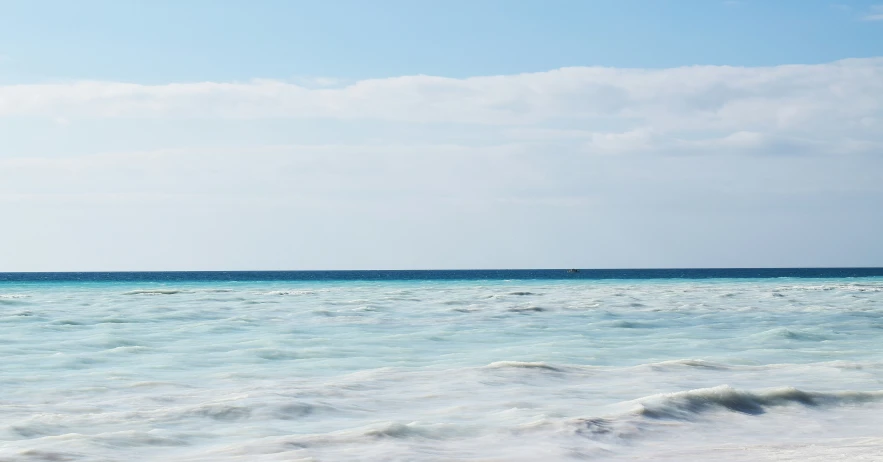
<point>453,370</point>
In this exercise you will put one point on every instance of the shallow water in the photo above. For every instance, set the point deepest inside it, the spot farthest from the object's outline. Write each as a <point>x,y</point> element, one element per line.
<point>491,370</point>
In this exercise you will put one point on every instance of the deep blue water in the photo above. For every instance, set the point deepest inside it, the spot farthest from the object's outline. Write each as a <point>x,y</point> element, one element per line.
<point>463,275</point>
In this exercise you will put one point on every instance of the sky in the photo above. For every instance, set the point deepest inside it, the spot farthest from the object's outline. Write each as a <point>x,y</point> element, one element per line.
<point>295,135</point>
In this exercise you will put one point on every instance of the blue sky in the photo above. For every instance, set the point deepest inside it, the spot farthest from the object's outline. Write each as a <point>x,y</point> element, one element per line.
<point>158,41</point>
<point>160,135</point>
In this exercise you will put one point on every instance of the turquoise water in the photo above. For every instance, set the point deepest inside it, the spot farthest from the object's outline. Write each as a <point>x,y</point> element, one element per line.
<point>422,369</point>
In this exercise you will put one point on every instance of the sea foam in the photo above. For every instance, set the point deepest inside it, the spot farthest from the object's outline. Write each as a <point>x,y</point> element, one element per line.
<point>442,370</point>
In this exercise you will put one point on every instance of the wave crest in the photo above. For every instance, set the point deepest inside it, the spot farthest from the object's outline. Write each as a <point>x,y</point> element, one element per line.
<point>154,292</point>
<point>687,404</point>
<point>522,365</point>
<point>681,363</point>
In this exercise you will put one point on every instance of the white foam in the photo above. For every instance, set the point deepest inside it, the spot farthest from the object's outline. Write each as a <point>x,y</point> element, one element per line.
<point>443,371</point>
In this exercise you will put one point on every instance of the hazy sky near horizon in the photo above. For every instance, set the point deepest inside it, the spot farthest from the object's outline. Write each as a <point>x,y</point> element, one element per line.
<point>224,135</point>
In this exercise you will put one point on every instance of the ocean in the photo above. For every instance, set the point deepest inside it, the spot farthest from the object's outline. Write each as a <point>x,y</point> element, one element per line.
<point>528,365</point>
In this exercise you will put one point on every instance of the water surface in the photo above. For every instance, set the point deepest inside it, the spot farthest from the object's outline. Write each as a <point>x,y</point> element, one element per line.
<point>542,365</point>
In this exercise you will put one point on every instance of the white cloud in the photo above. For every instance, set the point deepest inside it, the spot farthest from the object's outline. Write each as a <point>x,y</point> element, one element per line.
<point>821,104</point>
<point>695,92</point>
<point>692,166</point>
<point>875,13</point>
<point>399,206</point>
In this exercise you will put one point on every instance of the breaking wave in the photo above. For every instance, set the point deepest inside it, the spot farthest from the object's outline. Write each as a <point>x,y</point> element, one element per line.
<point>155,292</point>
<point>688,404</point>
<point>522,365</point>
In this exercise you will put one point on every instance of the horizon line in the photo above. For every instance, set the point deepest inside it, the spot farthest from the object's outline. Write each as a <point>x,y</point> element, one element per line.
<point>563,268</point>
